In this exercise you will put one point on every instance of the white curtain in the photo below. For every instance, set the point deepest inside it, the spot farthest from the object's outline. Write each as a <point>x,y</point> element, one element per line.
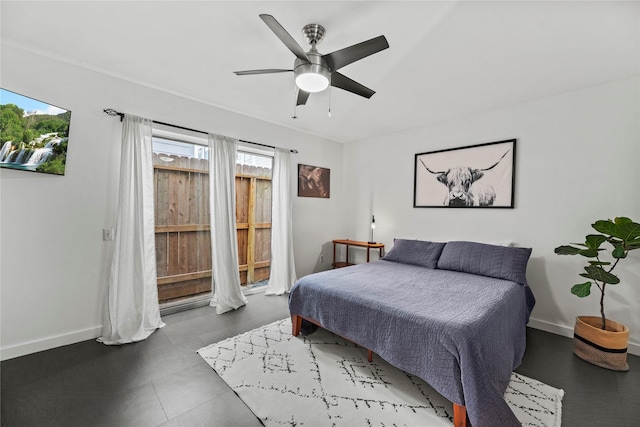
<point>132,312</point>
<point>283,270</point>
<point>227,294</point>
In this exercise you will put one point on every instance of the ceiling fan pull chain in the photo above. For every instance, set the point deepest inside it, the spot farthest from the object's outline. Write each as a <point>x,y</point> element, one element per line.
<point>295,106</point>
<point>329,112</point>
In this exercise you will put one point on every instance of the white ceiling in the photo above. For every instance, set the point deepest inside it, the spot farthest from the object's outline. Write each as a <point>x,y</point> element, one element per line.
<point>446,59</point>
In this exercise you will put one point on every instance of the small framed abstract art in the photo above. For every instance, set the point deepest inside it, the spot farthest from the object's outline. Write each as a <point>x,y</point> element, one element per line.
<point>476,176</point>
<point>314,181</point>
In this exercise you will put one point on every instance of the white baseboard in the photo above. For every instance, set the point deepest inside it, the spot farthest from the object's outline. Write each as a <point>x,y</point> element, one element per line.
<point>566,331</point>
<point>35,346</point>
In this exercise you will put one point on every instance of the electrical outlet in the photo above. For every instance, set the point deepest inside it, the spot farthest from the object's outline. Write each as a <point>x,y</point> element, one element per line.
<point>321,258</point>
<point>107,234</point>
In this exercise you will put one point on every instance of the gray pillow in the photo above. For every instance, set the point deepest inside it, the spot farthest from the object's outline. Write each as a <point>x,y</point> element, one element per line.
<point>415,252</point>
<point>501,262</point>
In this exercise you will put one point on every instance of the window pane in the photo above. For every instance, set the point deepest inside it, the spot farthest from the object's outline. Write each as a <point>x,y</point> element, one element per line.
<point>183,237</point>
<point>179,148</point>
<point>253,216</point>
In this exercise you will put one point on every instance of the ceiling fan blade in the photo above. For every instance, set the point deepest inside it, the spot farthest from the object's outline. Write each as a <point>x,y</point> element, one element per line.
<point>302,97</point>
<point>343,82</point>
<point>265,71</point>
<point>346,56</point>
<point>284,36</point>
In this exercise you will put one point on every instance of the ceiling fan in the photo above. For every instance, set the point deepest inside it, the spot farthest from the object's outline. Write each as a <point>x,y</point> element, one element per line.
<point>313,71</point>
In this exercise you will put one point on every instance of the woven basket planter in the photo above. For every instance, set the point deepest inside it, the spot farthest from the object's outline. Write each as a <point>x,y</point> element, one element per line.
<point>604,348</point>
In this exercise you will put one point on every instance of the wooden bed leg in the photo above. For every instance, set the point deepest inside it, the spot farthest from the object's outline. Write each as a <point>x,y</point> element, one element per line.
<point>460,416</point>
<point>296,322</point>
<point>370,356</point>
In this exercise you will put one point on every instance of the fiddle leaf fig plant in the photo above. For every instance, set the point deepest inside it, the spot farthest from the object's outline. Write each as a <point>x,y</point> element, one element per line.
<point>623,235</point>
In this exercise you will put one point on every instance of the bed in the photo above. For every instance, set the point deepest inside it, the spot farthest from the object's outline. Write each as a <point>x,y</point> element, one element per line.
<point>453,314</point>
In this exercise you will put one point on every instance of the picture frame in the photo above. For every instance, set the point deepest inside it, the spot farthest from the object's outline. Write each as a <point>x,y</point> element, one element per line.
<point>34,134</point>
<point>474,176</point>
<point>314,181</point>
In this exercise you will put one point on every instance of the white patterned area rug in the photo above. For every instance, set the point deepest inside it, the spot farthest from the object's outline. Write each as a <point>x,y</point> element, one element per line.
<point>324,380</point>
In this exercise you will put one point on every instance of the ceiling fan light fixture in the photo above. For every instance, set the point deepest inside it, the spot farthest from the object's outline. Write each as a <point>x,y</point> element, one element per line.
<point>312,77</point>
<point>312,82</point>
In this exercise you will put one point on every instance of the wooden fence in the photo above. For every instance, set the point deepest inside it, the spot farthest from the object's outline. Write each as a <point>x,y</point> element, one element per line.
<point>183,236</point>
<point>253,222</point>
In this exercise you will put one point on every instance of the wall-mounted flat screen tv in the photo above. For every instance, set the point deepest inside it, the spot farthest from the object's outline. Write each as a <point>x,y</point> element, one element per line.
<point>33,134</point>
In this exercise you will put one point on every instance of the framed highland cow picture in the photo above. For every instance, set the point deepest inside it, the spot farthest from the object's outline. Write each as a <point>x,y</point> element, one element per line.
<point>476,176</point>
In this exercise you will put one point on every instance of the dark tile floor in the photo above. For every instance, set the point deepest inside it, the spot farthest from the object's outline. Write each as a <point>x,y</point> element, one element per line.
<point>162,381</point>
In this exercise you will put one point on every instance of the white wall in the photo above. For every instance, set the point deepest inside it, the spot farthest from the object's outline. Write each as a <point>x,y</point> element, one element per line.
<point>577,161</point>
<point>54,263</point>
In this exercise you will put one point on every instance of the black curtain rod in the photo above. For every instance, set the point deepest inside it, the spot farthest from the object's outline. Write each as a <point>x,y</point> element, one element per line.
<point>112,112</point>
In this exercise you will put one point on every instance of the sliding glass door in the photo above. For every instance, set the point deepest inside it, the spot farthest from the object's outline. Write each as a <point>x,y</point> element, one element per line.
<point>183,236</point>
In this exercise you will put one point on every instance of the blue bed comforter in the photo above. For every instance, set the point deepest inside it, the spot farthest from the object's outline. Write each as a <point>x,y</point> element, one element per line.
<point>462,333</point>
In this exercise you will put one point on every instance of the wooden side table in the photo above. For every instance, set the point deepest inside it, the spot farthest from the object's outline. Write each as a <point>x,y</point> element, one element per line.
<point>337,264</point>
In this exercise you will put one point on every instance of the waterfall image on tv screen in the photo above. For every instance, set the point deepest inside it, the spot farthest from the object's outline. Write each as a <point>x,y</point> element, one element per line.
<point>33,134</point>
